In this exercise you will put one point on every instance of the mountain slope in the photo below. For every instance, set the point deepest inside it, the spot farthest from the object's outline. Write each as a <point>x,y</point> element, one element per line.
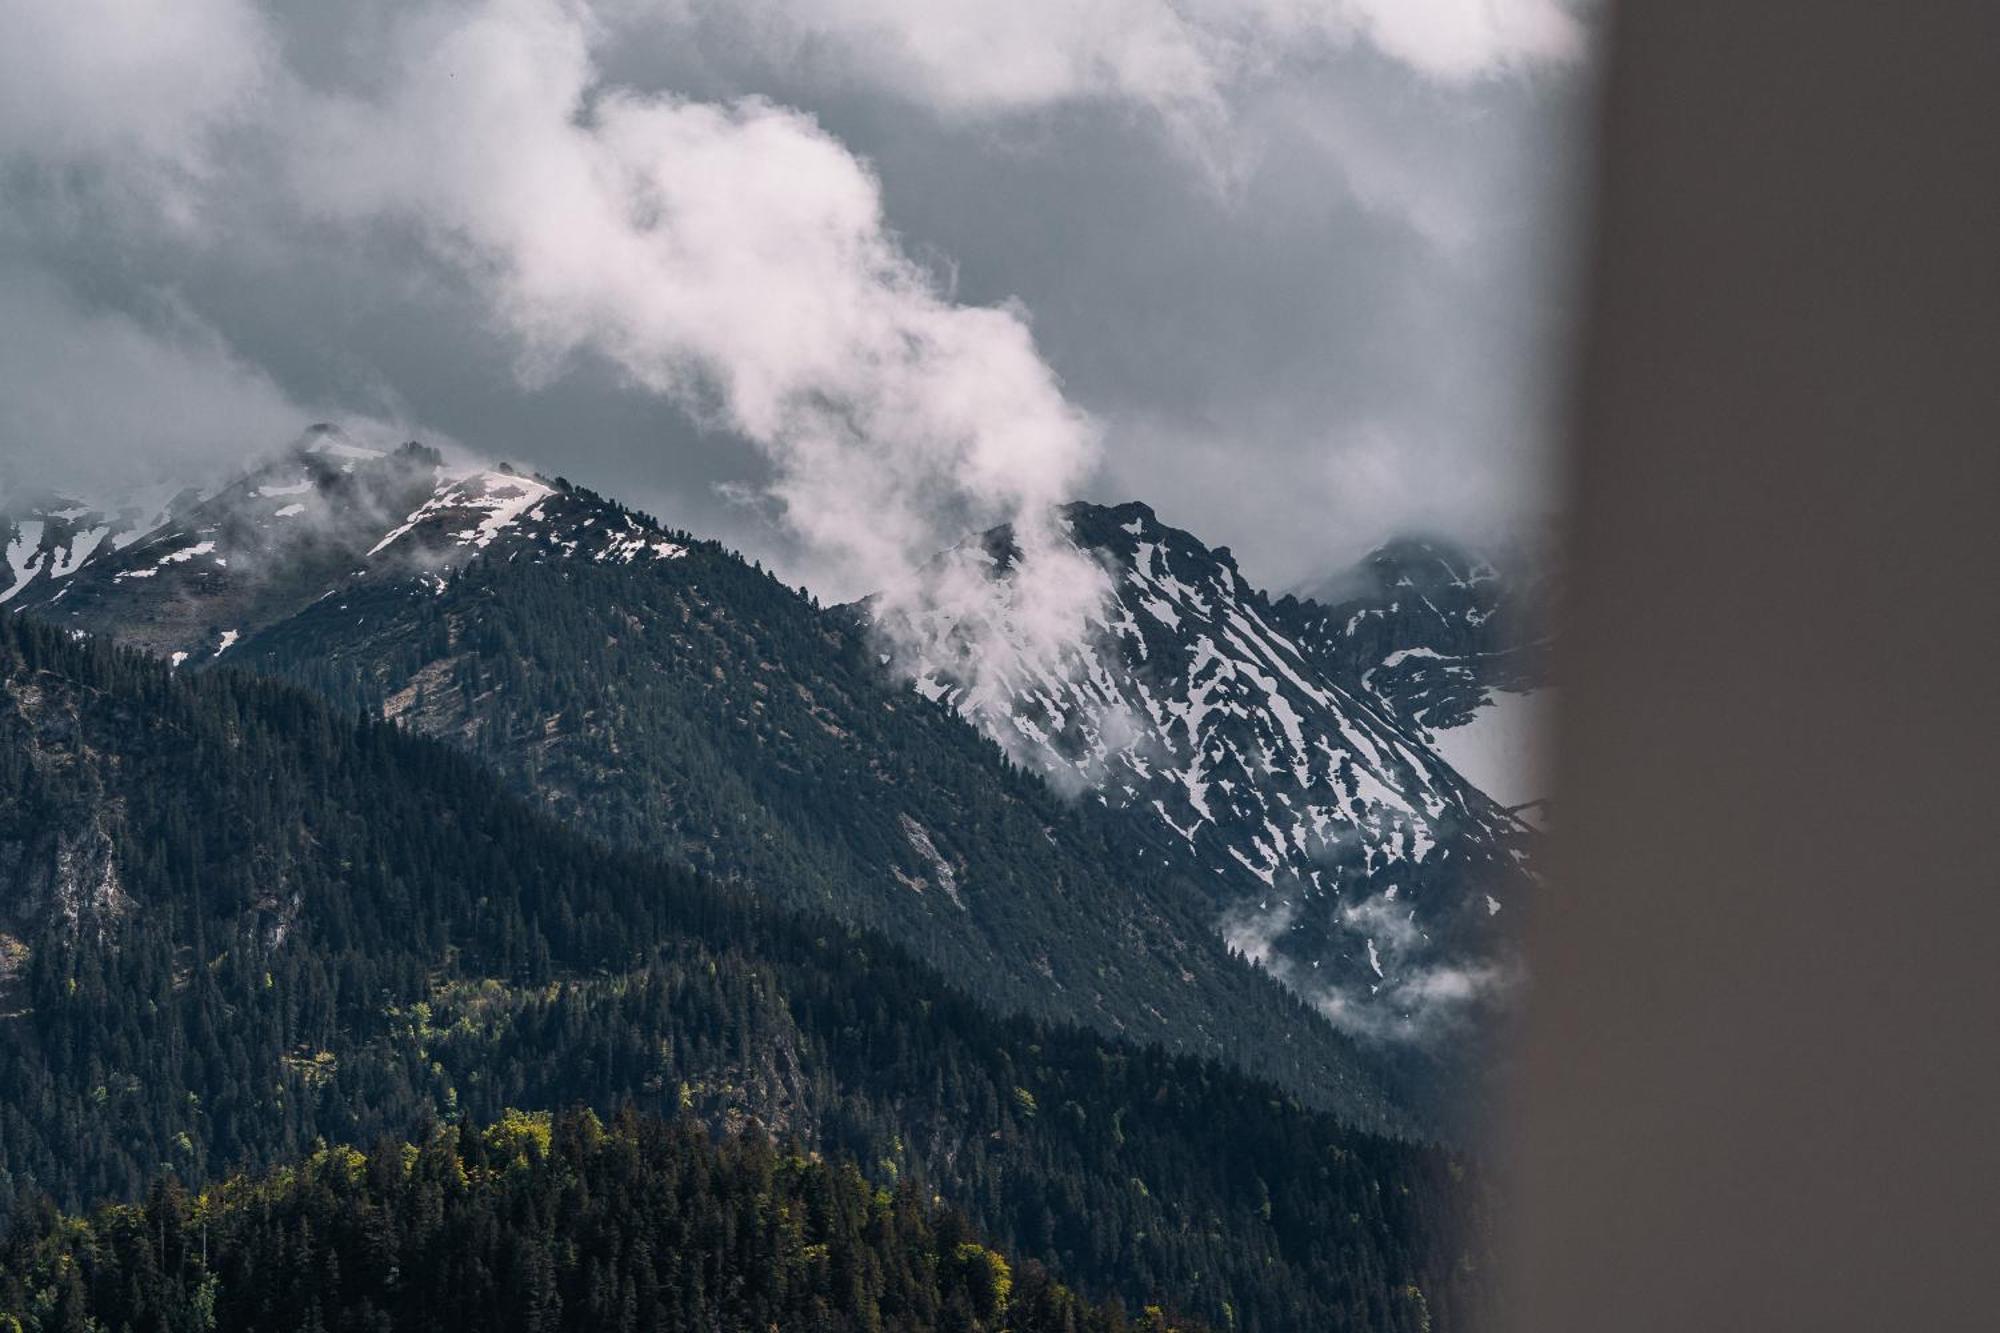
<point>1341,851</point>
<point>1425,627</point>
<point>44,538</point>
<point>237,922</point>
<point>662,696</point>
<point>701,711</point>
<point>536,1224</point>
<point>1450,644</point>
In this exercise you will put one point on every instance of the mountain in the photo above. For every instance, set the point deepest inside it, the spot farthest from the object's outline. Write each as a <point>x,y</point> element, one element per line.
<point>320,517</point>
<point>1453,645</point>
<point>46,537</point>
<point>237,922</point>
<point>662,696</point>
<point>537,1224</point>
<point>1340,850</point>
<point>1425,627</point>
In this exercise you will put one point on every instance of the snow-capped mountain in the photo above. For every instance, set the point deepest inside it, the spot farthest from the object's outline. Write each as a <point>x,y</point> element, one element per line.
<point>1345,853</point>
<point>661,695</point>
<point>1451,644</point>
<point>315,519</point>
<point>1238,751</point>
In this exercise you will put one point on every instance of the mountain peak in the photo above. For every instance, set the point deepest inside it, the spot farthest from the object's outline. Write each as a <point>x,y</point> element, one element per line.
<point>1428,628</point>
<point>1120,528</point>
<point>313,518</point>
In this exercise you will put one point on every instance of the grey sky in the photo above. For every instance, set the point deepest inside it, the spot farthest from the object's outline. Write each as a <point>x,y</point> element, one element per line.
<point>1299,266</point>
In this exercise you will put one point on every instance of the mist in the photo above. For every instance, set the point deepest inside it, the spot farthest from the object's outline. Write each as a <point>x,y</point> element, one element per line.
<point>1415,998</point>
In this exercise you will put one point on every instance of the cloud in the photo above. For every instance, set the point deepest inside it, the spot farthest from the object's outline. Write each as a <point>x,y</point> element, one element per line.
<point>1338,338</point>
<point>964,56</point>
<point>1402,995</point>
<point>108,403</point>
<point>180,393</point>
<point>1182,58</point>
<point>989,625</point>
<point>1424,1005</point>
<point>132,89</point>
<point>732,257</point>
<point>1196,68</point>
<point>1254,932</point>
<point>1463,39</point>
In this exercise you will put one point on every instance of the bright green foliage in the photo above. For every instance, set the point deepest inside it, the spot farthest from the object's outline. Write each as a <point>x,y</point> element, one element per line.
<point>987,1278</point>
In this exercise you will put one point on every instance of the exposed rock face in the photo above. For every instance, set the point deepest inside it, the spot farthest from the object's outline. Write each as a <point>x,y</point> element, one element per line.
<point>1344,853</point>
<point>943,873</point>
<point>79,882</point>
<point>58,864</point>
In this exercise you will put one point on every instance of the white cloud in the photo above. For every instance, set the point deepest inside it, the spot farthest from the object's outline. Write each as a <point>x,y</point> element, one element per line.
<point>1405,996</point>
<point>134,87</point>
<point>965,55</point>
<point>733,258</point>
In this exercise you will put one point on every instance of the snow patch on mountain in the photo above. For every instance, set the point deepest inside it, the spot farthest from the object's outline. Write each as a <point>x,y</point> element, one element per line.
<point>1190,704</point>
<point>490,501</point>
<point>46,538</point>
<point>24,556</point>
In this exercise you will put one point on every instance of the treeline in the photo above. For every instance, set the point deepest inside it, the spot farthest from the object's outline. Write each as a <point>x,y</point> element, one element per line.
<point>536,1224</point>
<point>237,924</point>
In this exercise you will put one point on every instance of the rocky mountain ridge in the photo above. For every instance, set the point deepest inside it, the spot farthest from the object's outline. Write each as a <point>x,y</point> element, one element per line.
<point>317,519</point>
<point>1342,851</point>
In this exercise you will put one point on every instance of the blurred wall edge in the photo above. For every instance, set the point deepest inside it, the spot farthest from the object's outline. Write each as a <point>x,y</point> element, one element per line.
<point>1759,1085</point>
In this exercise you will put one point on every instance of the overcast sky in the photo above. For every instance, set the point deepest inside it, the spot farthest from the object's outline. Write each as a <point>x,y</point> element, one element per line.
<point>832,279</point>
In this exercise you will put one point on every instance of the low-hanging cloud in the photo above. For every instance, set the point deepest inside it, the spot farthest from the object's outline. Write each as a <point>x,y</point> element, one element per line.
<point>1405,993</point>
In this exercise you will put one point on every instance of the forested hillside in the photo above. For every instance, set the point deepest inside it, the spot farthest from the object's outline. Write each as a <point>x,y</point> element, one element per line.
<point>663,696</point>
<point>536,1224</point>
<point>234,922</point>
<point>699,710</point>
